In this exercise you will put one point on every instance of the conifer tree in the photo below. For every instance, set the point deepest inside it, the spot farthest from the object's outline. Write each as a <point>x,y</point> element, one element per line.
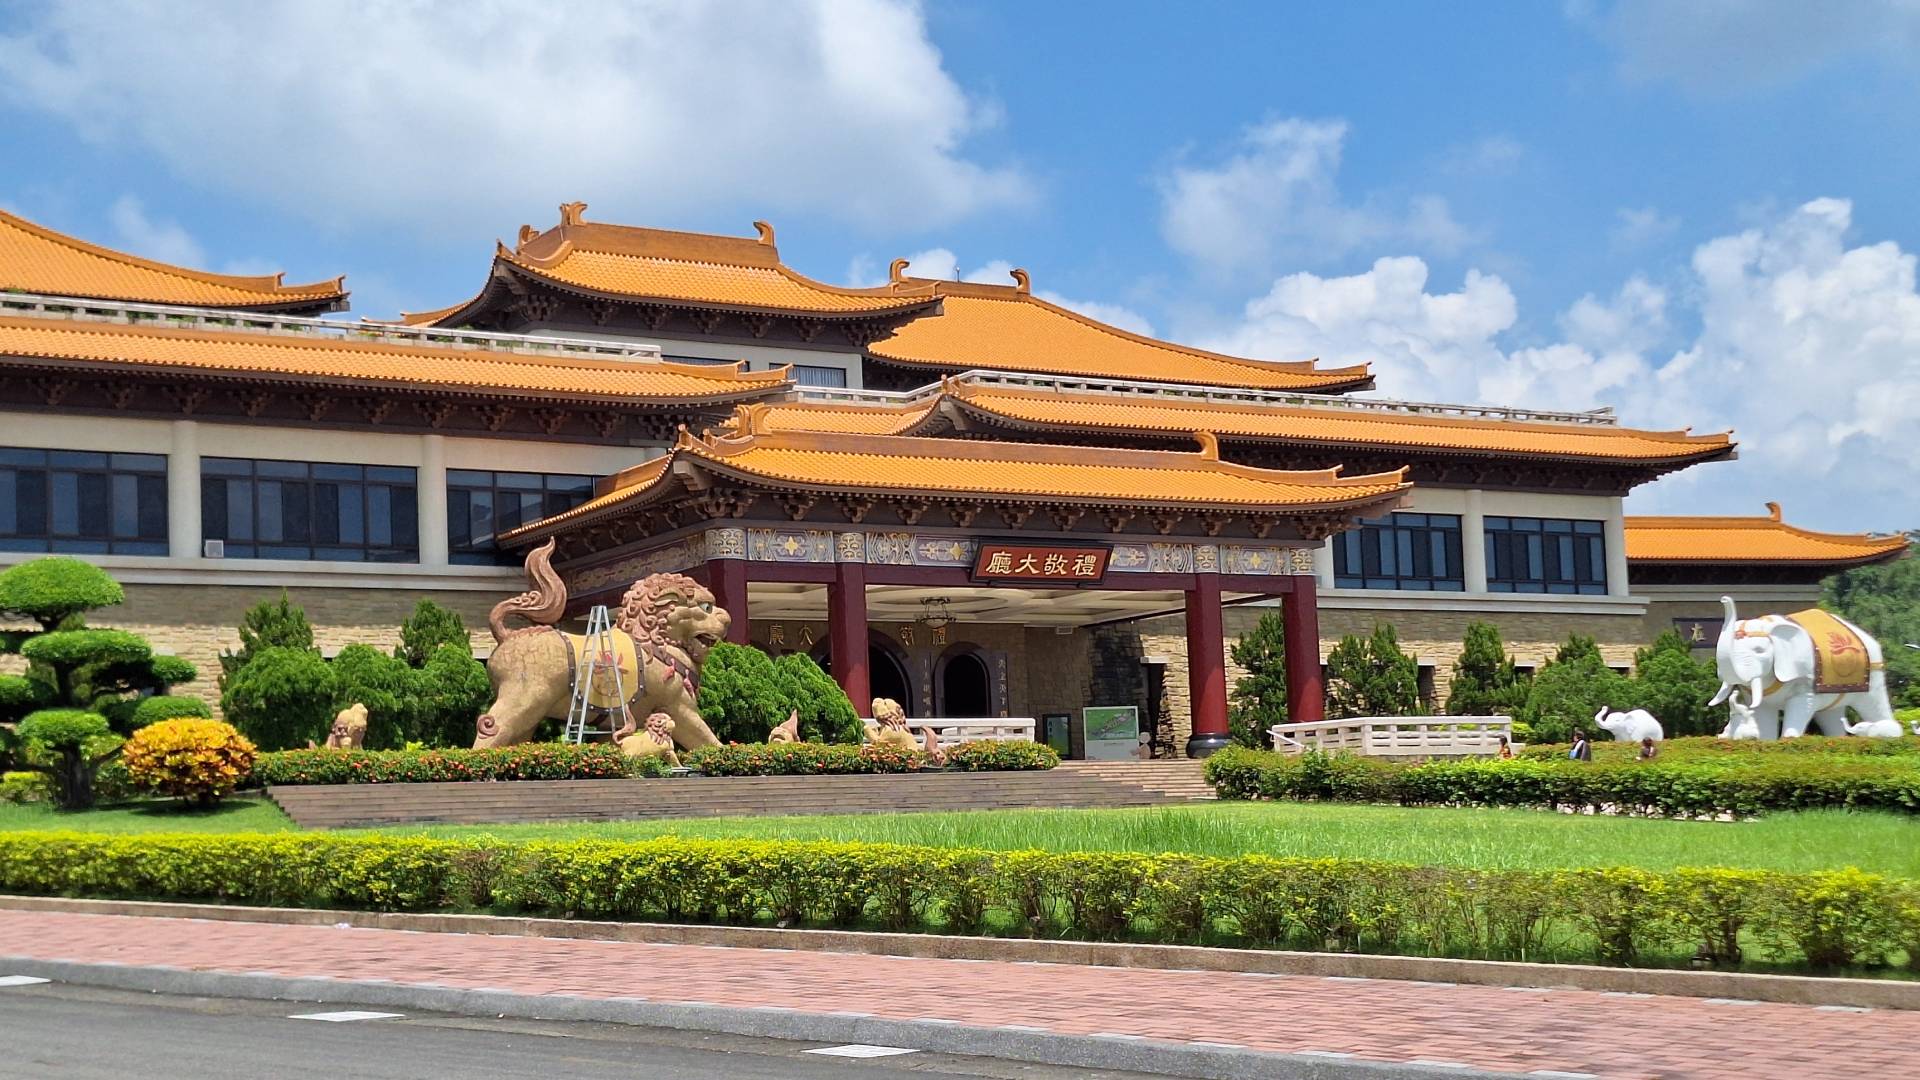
<point>429,627</point>
<point>1259,699</point>
<point>1485,680</point>
<point>1371,677</point>
<point>268,624</point>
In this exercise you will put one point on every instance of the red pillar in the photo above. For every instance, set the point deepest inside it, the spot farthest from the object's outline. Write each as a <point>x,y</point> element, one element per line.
<point>1300,626</point>
<point>727,579</point>
<point>847,634</point>
<point>1206,667</point>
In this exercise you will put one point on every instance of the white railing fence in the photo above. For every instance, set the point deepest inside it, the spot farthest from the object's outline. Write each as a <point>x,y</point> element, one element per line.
<point>1397,736</point>
<point>955,730</point>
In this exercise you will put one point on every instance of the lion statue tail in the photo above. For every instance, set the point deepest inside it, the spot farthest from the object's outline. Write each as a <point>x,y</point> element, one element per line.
<point>541,605</point>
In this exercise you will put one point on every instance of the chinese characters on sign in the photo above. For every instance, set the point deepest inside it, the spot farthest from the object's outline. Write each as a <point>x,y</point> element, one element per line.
<point>1699,633</point>
<point>1078,564</point>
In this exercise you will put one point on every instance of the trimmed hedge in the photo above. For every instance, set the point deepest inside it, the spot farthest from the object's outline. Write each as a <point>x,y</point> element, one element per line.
<point>801,759</point>
<point>532,761</point>
<point>993,755</point>
<point>1707,747</point>
<point>1664,787</point>
<point>1826,921</point>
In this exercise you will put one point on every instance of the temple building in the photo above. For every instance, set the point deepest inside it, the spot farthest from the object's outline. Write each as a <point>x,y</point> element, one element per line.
<point>957,495</point>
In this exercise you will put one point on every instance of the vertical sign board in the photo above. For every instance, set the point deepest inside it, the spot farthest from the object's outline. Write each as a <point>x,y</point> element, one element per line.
<point>1111,732</point>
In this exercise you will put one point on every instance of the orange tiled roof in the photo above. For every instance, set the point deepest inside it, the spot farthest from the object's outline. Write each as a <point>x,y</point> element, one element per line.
<point>35,259</point>
<point>1007,328</point>
<point>293,357</point>
<point>630,263</point>
<point>816,461</point>
<point>1329,425</point>
<point>1751,540</point>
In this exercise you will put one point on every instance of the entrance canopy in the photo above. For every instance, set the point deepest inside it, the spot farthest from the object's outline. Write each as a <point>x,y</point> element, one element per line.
<point>1035,533</point>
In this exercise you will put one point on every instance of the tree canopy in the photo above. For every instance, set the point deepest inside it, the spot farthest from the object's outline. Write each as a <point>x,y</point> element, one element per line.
<point>1884,601</point>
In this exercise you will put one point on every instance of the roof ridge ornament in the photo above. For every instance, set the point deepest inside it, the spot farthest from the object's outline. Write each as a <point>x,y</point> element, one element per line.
<point>527,233</point>
<point>1209,445</point>
<point>1022,281</point>
<point>1773,512</point>
<point>766,232</point>
<point>571,213</point>
<point>897,271</point>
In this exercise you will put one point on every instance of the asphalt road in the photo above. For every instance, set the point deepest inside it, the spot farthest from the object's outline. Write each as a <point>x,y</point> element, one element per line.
<point>68,1032</point>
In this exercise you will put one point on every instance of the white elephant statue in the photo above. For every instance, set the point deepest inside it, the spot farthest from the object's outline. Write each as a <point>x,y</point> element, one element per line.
<point>1632,726</point>
<point>1806,668</point>
<point>1876,729</point>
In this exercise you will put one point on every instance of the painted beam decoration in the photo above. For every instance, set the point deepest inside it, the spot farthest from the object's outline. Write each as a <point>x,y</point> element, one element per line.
<point>999,561</point>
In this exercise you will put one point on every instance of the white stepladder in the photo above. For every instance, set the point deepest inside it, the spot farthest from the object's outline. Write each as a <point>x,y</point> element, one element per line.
<point>597,673</point>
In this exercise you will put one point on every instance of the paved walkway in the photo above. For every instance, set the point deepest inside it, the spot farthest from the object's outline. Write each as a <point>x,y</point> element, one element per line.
<point>1554,1031</point>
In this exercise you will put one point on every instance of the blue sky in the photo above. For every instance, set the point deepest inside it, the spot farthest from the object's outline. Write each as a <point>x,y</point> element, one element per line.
<point>1702,214</point>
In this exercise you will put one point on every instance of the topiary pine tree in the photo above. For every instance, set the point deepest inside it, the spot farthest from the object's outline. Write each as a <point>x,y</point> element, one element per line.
<point>1259,698</point>
<point>1485,680</point>
<point>826,716</point>
<point>1371,677</point>
<point>268,624</point>
<point>68,746</point>
<point>429,627</point>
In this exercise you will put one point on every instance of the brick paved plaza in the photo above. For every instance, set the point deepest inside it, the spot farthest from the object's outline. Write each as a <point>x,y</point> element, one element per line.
<point>1549,1031</point>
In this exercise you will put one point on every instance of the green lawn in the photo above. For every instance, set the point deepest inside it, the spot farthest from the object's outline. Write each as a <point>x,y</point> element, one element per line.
<point>1885,843</point>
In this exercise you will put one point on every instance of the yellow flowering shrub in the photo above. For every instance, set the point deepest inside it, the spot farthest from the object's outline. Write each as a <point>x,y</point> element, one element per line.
<point>192,759</point>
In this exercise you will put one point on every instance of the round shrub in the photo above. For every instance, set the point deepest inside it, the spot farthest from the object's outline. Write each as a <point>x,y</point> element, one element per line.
<point>192,759</point>
<point>152,710</point>
<point>49,590</point>
<point>281,699</point>
<point>825,713</point>
<point>740,694</point>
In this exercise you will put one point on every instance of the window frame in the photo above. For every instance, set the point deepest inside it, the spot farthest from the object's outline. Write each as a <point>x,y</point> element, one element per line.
<point>1546,556</point>
<point>301,532</point>
<point>560,492</point>
<point>1387,553</point>
<point>121,486</point>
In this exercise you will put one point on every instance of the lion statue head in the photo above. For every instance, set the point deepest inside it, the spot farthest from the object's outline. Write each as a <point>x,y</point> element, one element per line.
<point>888,713</point>
<point>674,611</point>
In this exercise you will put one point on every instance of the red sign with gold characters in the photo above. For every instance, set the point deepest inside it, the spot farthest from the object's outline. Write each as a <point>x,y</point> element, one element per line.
<point>1041,564</point>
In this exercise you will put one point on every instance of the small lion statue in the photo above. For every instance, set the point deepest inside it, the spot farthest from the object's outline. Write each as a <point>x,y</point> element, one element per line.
<point>349,729</point>
<point>788,731</point>
<point>892,725</point>
<point>653,740</point>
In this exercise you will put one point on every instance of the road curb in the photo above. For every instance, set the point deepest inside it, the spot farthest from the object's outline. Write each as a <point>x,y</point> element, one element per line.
<point>1079,1051</point>
<point>1777,989</point>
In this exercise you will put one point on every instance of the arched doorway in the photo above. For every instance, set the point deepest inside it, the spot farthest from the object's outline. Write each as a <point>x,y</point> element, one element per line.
<point>886,674</point>
<point>963,685</point>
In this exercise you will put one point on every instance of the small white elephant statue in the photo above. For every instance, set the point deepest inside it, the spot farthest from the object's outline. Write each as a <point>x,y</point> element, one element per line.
<point>1632,726</point>
<point>1876,729</point>
<point>1741,723</point>
<point>1807,668</point>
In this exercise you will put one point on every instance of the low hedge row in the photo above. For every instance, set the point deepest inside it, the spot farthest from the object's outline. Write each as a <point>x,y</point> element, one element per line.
<point>1662,787</point>
<point>1826,921</point>
<point>533,761</point>
<point>825,759</point>
<point>1710,748</point>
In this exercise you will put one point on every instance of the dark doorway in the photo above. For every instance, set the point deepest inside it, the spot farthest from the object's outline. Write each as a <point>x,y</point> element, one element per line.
<point>965,689</point>
<point>886,676</point>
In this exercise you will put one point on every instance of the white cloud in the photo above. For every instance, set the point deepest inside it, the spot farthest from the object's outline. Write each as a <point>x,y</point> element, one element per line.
<point>1275,198</point>
<point>1636,228</point>
<point>164,241</point>
<point>1717,47</point>
<point>461,115</point>
<point>1808,348</point>
<point>945,265</point>
<point>1492,155</point>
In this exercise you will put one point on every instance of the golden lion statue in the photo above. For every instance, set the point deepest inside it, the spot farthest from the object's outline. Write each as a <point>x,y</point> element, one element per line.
<point>349,729</point>
<point>654,740</point>
<point>666,625</point>
<point>892,725</point>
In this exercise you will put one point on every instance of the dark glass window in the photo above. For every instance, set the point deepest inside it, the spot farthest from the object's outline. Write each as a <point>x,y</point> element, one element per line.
<point>481,503</point>
<point>817,375</point>
<point>1401,551</point>
<point>310,510</point>
<point>1546,555</point>
<point>83,502</point>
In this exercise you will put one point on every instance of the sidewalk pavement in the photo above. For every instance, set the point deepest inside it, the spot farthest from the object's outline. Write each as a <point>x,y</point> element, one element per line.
<point>1554,1033</point>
